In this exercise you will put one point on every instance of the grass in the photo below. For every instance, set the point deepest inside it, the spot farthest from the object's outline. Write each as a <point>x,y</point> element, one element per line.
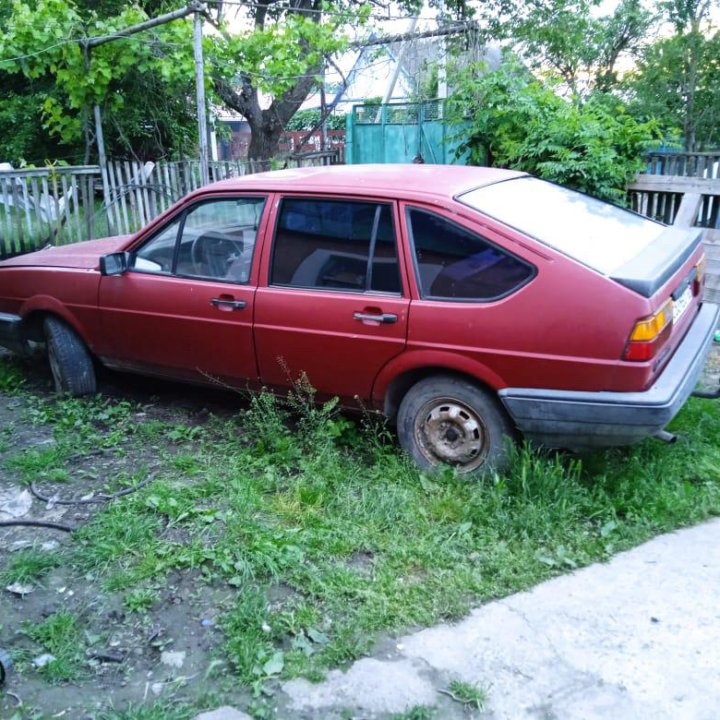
<point>325,535</point>
<point>29,566</point>
<point>356,541</point>
<point>470,696</point>
<point>60,636</point>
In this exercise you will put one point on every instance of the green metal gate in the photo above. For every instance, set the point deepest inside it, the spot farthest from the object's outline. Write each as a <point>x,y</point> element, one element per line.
<point>400,133</point>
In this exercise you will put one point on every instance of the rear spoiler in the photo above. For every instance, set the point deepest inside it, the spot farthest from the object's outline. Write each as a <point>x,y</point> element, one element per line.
<point>647,272</point>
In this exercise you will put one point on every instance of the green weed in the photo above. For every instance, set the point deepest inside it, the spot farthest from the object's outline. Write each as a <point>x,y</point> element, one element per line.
<point>29,565</point>
<point>12,378</point>
<point>60,636</point>
<point>140,599</point>
<point>471,696</point>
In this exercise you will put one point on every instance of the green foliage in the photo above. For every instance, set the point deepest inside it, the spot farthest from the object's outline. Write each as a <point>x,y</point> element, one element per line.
<point>578,40</point>
<point>42,42</point>
<point>308,119</point>
<point>524,124</point>
<point>676,81</point>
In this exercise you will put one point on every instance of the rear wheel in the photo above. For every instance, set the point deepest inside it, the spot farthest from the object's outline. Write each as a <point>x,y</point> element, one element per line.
<point>70,361</point>
<point>448,420</point>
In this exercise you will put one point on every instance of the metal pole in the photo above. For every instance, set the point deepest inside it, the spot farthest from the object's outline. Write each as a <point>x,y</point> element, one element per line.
<point>200,94</point>
<point>102,160</point>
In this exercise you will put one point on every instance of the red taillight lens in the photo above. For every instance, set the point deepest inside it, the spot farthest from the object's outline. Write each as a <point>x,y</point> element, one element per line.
<point>650,334</point>
<point>699,280</point>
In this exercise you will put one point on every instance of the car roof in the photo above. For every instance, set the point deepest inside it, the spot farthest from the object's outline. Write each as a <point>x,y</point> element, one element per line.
<point>401,181</point>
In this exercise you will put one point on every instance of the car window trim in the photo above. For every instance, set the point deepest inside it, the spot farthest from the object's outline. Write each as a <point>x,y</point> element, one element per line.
<point>182,216</point>
<point>385,202</point>
<point>478,301</point>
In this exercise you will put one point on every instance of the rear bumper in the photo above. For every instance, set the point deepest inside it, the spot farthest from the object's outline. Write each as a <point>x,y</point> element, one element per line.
<point>11,334</point>
<point>577,420</point>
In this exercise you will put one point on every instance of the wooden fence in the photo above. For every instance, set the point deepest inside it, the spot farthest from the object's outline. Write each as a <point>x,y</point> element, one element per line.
<point>58,205</point>
<point>685,202</point>
<point>699,164</point>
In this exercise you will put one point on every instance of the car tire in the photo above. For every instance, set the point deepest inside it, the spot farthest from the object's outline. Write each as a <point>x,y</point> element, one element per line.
<point>70,362</point>
<point>448,420</point>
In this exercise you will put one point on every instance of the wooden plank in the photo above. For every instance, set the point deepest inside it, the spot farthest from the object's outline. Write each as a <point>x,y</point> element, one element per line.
<point>35,199</point>
<point>7,218</point>
<point>66,203</point>
<point>76,232</point>
<point>131,197</point>
<point>113,197</point>
<point>676,183</point>
<point>122,197</point>
<point>687,214</point>
<point>26,207</point>
<point>17,217</point>
<point>166,187</point>
<point>88,201</point>
<point>147,200</point>
<point>55,212</point>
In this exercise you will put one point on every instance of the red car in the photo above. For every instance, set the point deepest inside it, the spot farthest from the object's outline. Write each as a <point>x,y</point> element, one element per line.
<point>465,303</point>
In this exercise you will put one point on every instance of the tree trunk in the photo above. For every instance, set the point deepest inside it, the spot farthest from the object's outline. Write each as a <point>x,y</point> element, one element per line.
<point>264,142</point>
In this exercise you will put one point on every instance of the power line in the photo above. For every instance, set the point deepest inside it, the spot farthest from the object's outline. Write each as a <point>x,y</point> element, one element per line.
<point>311,11</point>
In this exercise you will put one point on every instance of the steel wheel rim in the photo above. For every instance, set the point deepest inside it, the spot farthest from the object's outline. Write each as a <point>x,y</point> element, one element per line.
<point>448,430</point>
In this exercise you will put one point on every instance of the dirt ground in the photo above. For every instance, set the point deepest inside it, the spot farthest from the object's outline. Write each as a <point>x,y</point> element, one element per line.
<point>129,658</point>
<point>169,651</point>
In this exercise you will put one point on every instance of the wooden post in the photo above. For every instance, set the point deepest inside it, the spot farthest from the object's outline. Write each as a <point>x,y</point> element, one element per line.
<point>200,94</point>
<point>102,160</point>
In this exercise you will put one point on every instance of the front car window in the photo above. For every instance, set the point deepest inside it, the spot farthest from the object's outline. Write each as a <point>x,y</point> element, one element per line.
<point>335,245</point>
<point>212,240</point>
<point>455,264</point>
<point>603,236</point>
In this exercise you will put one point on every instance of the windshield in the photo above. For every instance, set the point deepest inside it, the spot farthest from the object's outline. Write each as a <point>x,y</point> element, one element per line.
<point>596,233</point>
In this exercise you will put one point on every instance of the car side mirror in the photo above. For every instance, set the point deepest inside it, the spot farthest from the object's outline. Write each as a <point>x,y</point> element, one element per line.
<point>114,263</point>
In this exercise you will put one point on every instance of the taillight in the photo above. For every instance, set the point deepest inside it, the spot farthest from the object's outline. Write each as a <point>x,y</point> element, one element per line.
<point>649,334</point>
<point>699,280</point>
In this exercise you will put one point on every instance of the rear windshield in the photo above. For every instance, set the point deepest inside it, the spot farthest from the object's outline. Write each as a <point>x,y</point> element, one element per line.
<point>593,232</point>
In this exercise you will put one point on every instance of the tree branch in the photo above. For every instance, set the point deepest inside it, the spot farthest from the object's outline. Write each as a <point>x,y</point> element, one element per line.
<point>456,29</point>
<point>192,7</point>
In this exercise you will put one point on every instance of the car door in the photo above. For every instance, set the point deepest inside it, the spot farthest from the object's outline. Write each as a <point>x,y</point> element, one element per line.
<point>335,305</point>
<point>184,308</point>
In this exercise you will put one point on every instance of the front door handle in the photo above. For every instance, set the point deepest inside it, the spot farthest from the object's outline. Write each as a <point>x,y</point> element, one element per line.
<point>385,318</point>
<point>227,303</point>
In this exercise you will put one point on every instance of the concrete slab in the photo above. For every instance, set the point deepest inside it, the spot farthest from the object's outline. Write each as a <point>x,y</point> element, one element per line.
<point>636,638</point>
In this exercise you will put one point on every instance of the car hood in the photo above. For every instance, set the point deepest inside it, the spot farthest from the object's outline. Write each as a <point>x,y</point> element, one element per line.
<point>83,255</point>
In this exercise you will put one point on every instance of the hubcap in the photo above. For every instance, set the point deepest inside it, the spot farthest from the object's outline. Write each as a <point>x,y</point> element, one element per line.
<point>447,430</point>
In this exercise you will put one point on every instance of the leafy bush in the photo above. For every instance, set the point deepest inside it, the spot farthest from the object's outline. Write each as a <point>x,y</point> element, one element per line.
<point>522,123</point>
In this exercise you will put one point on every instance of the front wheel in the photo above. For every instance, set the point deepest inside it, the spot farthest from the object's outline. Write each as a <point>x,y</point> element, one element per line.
<point>449,420</point>
<point>70,361</point>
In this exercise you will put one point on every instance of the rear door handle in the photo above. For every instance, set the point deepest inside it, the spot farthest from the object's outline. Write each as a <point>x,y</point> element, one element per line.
<point>228,303</point>
<point>385,318</point>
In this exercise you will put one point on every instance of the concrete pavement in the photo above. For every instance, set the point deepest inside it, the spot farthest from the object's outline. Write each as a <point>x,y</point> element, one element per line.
<point>637,638</point>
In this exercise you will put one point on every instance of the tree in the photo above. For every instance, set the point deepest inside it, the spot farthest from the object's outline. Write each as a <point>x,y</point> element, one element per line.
<point>44,45</point>
<point>570,39</point>
<point>676,79</point>
<point>511,119</point>
<point>283,57</point>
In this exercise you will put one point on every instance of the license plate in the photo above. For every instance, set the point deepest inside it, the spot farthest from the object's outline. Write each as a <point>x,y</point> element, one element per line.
<point>682,303</point>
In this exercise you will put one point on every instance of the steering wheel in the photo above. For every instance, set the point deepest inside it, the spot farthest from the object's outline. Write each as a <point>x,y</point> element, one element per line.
<point>214,253</point>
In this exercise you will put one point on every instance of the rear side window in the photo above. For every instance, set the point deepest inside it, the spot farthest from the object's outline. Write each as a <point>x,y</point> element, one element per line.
<point>453,263</point>
<point>335,245</point>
